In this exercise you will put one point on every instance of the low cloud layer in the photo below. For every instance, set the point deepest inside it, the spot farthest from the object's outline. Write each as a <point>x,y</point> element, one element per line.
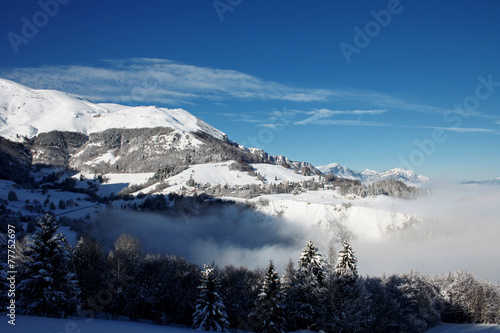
<point>460,230</point>
<point>230,234</point>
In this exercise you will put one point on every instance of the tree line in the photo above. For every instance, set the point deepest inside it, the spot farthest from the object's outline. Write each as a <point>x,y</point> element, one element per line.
<point>56,280</point>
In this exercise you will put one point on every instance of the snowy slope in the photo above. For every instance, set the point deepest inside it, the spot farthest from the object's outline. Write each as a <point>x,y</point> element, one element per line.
<point>370,176</point>
<point>118,181</point>
<point>28,324</point>
<point>465,328</point>
<point>79,207</point>
<point>27,112</point>
<point>220,174</point>
<point>275,174</point>
<point>150,117</point>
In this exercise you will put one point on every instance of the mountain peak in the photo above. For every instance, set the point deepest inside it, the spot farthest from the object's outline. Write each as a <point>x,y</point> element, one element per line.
<point>26,112</point>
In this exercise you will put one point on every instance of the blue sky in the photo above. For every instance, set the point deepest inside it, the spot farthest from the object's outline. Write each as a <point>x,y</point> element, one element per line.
<point>369,84</point>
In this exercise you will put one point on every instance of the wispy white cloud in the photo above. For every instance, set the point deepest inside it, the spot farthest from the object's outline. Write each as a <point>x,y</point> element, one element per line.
<point>278,119</point>
<point>241,117</point>
<point>324,117</point>
<point>161,81</point>
<point>341,122</point>
<point>146,81</point>
<point>272,125</point>
<point>461,129</point>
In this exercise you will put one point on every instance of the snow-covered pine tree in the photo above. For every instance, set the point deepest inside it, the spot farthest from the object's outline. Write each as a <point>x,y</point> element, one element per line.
<point>346,306</point>
<point>305,297</point>
<point>269,312</point>
<point>312,264</point>
<point>210,314</point>
<point>49,287</point>
<point>346,267</point>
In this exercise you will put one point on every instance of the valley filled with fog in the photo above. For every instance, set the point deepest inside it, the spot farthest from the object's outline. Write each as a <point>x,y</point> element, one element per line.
<point>452,227</point>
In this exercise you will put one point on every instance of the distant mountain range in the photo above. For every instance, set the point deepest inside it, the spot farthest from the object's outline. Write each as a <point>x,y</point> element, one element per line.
<point>495,181</point>
<point>370,176</point>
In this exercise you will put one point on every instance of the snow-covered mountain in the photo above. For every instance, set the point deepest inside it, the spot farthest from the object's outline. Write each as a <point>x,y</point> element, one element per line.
<point>29,112</point>
<point>63,130</point>
<point>340,171</point>
<point>370,176</point>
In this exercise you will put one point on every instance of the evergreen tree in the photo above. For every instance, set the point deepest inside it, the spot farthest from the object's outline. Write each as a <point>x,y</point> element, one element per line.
<point>346,267</point>
<point>12,196</point>
<point>62,204</point>
<point>346,306</point>
<point>210,314</point>
<point>269,312</point>
<point>49,288</point>
<point>91,271</point>
<point>312,264</point>
<point>239,291</point>
<point>305,296</point>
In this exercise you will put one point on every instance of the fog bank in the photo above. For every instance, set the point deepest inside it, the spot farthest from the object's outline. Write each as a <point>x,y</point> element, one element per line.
<point>459,229</point>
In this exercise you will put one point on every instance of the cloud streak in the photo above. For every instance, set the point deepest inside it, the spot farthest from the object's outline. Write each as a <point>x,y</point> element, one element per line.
<point>162,81</point>
<point>461,129</point>
<point>323,117</point>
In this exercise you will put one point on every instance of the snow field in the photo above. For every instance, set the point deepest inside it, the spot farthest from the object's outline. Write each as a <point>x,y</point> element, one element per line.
<point>28,324</point>
<point>465,328</point>
<point>220,174</point>
<point>118,181</point>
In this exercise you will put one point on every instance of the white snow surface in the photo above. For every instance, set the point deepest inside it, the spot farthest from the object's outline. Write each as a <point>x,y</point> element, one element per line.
<point>29,324</point>
<point>37,195</point>
<point>220,174</point>
<point>28,112</point>
<point>118,181</point>
<point>464,328</point>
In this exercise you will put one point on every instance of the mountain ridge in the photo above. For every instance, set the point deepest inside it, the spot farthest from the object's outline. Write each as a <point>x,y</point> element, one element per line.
<point>370,176</point>
<point>64,130</point>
